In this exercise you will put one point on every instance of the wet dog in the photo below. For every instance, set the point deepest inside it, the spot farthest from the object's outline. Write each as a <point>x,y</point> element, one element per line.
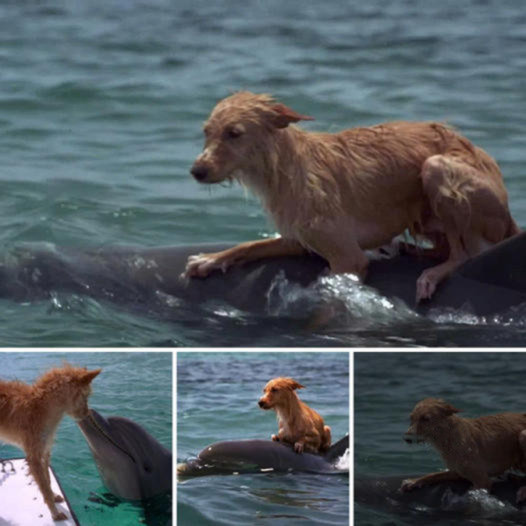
<point>472,448</point>
<point>299,425</point>
<point>30,415</point>
<point>338,194</point>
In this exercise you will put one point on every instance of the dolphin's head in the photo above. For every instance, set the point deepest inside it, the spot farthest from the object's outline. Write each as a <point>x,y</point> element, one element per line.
<point>132,464</point>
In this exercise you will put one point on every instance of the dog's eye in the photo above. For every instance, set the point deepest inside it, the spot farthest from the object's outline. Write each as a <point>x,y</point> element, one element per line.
<point>234,133</point>
<point>273,390</point>
<point>425,418</point>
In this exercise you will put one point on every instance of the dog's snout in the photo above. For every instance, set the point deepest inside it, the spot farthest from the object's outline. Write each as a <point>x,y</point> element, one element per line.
<point>261,403</point>
<point>199,171</point>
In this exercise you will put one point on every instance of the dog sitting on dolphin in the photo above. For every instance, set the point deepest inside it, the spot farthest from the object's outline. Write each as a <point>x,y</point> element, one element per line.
<point>299,425</point>
<point>340,194</point>
<point>472,448</point>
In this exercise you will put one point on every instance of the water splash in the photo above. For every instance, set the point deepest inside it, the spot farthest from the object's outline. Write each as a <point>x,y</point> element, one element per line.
<point>344,461</point>
<point>476,502</point>
<point>341,298</point>
<point>515,317</point>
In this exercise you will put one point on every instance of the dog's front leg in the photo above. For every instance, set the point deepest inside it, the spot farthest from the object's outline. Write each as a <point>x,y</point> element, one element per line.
<point>426,480</point>
<point>36,466</point>
<point>299,446</point>
<point>46,460</point>
<point>201,265</point>
<point>339,247</point>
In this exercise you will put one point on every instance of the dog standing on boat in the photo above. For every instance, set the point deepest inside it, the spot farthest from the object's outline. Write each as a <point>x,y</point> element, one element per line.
<point>472,448</point>
<point>30,415</point>
<point>299,425</point>
<point>340,194</point>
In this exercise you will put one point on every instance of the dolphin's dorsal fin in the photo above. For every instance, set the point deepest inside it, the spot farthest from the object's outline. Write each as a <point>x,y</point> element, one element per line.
<point>337,449</point>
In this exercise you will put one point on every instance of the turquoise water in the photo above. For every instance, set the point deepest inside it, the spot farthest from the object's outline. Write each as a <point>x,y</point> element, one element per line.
<point>386,388</point>
<point>101,106</point>
<point>134,385</point>
<point>217,395</point>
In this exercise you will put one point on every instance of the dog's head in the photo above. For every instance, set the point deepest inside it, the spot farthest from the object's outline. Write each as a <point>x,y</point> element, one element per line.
<point>277,393</point>
<point>236,134</point>
<point>79,391</point>
<point>427,419</point>
<point>69,387</point>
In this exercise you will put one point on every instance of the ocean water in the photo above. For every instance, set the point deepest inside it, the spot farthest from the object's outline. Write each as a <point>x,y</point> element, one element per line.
<point>386,388</point>
<point>134,385</point>
<point>101,106</point>
<point>217,395</point>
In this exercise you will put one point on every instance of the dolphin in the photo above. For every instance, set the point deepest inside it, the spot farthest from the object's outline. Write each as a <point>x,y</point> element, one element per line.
<point>132,464</point>
<point>149,279</point>
<point>261,456</point>
<point>384,493</point>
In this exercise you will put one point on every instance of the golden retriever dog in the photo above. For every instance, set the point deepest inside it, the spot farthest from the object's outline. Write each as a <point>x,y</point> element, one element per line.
<point>30,415</point>
<point>338,194</point>
<point>299,425</point>
<point>472,448</point>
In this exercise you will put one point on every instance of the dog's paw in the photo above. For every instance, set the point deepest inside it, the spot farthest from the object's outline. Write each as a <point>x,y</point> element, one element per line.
<point>426,285</point>
<point>59,516</point>
<point>299,447</point>
<point>275,438</point>
<point>409,485</point>
<point>521,495</point>
<point>58,498</point>
<point>201,265</point>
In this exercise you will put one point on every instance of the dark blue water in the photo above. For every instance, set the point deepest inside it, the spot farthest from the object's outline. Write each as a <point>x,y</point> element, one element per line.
<point>101,106</point>
<point>217,395</point>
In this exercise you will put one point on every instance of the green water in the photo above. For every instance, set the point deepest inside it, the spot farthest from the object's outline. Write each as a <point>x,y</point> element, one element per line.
<point>217,395</point>
<point>134,385</point>
<point>386,388</point>
<point>101,106</point>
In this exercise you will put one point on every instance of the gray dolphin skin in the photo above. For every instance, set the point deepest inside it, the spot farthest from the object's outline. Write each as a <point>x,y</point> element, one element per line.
<point>132,464</point>
<point>148,279</point>
<point>260,456</point>
<point>384,493</point>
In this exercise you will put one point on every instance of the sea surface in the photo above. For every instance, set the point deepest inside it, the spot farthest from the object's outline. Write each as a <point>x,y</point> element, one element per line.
<point>386,388</point>
<point>133,385</point>
<point>217,395</point>
<point>101,108</point>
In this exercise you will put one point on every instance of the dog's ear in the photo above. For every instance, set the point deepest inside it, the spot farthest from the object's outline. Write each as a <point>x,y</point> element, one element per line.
<point>283,116</point>
<point>448,409</point>
<point>88,376</point>
<point>292,384</point>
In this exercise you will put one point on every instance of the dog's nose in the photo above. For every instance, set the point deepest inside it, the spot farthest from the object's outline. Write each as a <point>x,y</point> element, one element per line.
<point>408,438</point>
<point>261,403</point>
<point>199,171</point>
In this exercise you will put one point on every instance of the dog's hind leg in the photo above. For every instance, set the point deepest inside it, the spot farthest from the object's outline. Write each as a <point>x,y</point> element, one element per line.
<point>471,205</point>
<point>326,438</point>
<point>521,492</point>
